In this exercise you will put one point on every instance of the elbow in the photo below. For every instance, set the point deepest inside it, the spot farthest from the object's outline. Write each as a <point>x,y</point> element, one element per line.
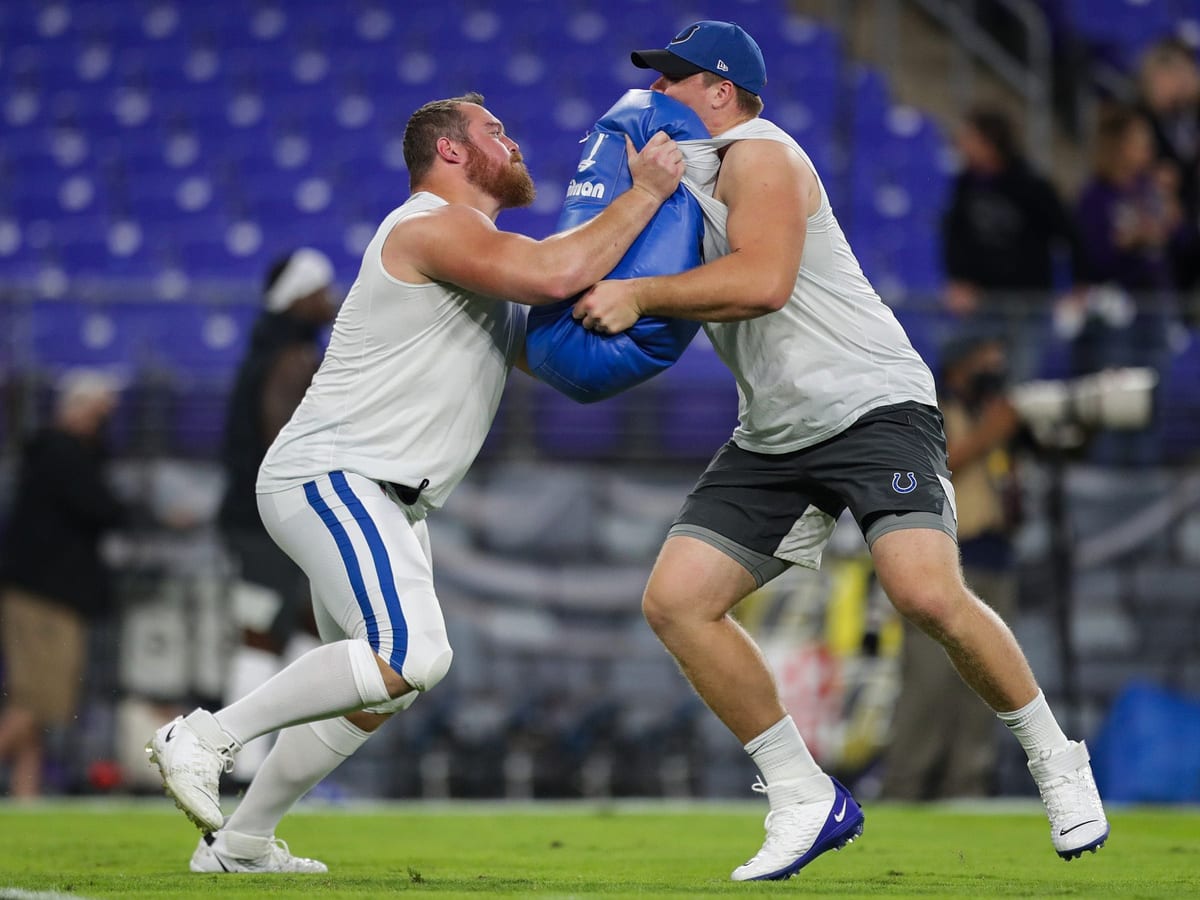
<point>769,288</point>
<point>558,285</point>
<point>772,298</point>
<point>775,302</point>
<point>559,288</point>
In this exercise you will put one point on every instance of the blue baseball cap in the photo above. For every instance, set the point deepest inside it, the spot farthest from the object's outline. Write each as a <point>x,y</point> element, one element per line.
<point>719,47</point>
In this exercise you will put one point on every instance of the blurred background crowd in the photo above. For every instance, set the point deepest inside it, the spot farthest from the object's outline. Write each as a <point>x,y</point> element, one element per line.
<point>1019,179</point>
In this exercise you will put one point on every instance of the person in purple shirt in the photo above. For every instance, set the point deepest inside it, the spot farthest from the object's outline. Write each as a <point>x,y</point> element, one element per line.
<point>1128,216</point>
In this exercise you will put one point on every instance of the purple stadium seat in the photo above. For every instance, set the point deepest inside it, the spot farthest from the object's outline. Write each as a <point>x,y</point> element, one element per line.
<point>20,262</point>
<point>67,333</point>
<point>136,79</point>
<point>212,257</point>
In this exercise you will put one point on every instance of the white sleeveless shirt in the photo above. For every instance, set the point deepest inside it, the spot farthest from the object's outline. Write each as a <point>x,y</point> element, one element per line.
<point>409,385</point>
<point>835,351</point>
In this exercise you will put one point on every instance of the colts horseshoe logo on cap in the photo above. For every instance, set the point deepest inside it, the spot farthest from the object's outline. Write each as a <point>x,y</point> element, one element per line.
<point>686,33</point>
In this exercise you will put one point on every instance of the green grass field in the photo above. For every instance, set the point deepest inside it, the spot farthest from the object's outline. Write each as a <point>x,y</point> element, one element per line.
<point>141,850</point>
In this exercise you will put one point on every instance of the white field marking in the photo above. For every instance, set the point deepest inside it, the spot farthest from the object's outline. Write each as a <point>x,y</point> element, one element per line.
<point>12,893</point>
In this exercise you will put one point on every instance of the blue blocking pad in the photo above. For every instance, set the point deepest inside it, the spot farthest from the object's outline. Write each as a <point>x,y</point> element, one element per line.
<point>579,363</point>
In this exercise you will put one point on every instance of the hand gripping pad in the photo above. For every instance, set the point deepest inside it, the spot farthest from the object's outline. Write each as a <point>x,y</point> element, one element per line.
<point>579,363</point>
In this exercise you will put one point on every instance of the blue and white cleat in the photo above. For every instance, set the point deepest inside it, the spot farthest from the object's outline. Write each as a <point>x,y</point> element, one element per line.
<point>800,832</point>
<point>1077,820</point>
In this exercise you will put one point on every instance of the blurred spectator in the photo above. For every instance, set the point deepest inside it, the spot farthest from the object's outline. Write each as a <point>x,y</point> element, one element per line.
<point>52,577</point>
<point>1001,234</point>
<point>925,761</point>
<point>271,604</point>
<point>1169,85</point>
<point>1127,217</point>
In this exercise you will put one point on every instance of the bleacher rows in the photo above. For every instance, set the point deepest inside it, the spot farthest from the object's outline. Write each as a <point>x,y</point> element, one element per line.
<point>149,137</point>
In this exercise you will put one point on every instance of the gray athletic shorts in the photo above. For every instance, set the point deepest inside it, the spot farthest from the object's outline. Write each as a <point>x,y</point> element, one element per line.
<point>771,511</point>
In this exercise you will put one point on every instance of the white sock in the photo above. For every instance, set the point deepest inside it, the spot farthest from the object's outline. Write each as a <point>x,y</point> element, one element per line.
<point>1036,728</point>
<point>301,757</point>
<point>328,681</point>
<point>248,668</point>
<point>791,774</point>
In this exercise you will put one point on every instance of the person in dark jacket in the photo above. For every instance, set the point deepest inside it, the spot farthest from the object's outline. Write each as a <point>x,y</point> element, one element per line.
<point>270,598</point>
<point>52,579</point>
<point>1001,234</point>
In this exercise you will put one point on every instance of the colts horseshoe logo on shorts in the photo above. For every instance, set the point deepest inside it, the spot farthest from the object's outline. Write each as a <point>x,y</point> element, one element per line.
<point>906,488</point>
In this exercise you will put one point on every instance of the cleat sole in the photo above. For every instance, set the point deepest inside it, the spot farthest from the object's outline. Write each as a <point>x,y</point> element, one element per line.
<point>205,827</point>
<point>1078,852</point>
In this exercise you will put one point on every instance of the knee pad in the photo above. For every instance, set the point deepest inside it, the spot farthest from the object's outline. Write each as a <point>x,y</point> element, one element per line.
<point>428,659</point>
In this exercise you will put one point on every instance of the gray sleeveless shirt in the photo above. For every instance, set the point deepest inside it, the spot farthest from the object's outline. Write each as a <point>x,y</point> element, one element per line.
<point>808,371</point>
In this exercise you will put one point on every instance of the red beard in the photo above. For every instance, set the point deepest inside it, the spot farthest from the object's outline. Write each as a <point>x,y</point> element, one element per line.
<point>509,183</point>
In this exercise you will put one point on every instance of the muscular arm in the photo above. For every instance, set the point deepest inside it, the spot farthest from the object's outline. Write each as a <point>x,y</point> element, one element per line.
<point>461,245</point>
<point>284,388</point>
<point>770,193</point>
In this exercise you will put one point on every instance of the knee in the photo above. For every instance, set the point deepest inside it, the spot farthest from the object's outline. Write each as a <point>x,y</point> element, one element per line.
<point>427,659</point>
<point>933,608</point>
<point>660,608</point>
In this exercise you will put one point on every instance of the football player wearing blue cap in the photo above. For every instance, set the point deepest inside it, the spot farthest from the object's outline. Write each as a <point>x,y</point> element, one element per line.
<point>836,411</point>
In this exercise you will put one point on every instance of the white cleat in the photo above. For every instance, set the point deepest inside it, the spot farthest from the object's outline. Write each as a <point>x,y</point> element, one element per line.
<point>214,854</point>
<point>191,753</point>
<point>1077,821</point>
<point>800,832</point>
